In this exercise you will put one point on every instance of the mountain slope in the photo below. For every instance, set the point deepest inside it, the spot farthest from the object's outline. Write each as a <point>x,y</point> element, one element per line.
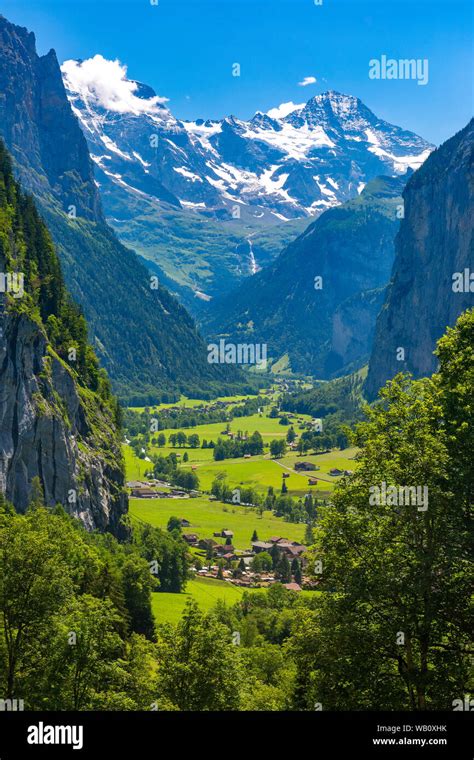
<point>435,245</point>
<point>144,338</point>
<point>287,163</point>
<point>325,326</point>
<point>189,196</point>
<point>57,415</point>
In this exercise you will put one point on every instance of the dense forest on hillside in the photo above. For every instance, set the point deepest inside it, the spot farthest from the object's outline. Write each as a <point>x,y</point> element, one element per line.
<point>338,403</point>
<point>390,627</point>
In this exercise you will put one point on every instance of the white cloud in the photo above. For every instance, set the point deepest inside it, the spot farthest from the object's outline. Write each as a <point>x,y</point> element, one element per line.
<point>284,109</point>
<point>105,82</point>
<point>306,81</point>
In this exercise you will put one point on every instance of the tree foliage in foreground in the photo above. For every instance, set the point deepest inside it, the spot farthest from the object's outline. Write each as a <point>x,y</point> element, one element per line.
<point>394,628</point>
<point>389,629</point>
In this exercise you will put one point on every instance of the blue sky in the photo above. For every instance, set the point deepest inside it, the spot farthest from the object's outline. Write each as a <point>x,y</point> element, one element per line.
<point>185,50</point>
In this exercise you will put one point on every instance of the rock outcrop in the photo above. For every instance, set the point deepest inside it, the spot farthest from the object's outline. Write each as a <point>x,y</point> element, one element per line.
<point>52,429</point>
<point>145,339</point>
<point>58,418</point>
<point>432,280</point>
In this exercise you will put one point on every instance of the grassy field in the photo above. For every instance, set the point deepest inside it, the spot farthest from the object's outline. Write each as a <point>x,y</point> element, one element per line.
<point>267,426</point>
<point>259,471</point>
<point>168,608</point>
<point>191,403</point>
<point>208,517</point>
<point>134,467</point>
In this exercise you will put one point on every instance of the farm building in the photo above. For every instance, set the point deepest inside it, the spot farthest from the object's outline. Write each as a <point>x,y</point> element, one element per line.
<point>224,549</point>
<point>206,543</point>
<point>261,546</point>
<point>145,491</point>
<point>305,466</point>
<point>292,549</point>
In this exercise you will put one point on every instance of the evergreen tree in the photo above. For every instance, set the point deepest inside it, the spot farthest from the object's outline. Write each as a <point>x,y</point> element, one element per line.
<point>283,570</point>
<point>308,534</point>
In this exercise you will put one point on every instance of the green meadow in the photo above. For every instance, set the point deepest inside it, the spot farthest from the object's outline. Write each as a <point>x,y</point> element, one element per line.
<point>267,426</point>
<point>134,467</point>
<point>191,403</point>
<point>208,517</point>
<point>168,608</point>
<point>259,471</point>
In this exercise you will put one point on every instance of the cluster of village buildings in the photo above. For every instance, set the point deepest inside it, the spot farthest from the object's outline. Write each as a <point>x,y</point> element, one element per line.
<point>291,549</point>
<point>158,489</point>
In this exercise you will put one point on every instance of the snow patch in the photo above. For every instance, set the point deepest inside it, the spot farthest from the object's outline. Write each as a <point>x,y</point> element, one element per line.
<point>186,173</point>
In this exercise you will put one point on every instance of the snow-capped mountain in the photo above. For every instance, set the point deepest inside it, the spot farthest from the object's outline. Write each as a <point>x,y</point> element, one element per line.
<point>293,161</point>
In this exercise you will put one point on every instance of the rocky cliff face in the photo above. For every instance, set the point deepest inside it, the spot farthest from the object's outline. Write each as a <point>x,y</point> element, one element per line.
<point>38,126</point>
<point>429,286</point>
<point>57,415</point>
<point>145,339</point>
<point>51,428</point>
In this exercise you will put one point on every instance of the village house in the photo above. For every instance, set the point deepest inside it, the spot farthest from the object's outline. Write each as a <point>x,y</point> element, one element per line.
<point>145,491</point>
<point>312,481</point>
<point>227,534</point>
<point>305,466</point>
<point>184,523</point>
<point>134,484</point>
<point>191,538</point>
<point>292,586</point>
<point>206,543</point>
<point>261,546</point>
<point>222,549</point>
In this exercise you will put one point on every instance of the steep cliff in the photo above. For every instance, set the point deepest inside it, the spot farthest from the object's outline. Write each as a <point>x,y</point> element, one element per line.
<point>143,336</point>
<point>58,419</point>
<point>429,285</point>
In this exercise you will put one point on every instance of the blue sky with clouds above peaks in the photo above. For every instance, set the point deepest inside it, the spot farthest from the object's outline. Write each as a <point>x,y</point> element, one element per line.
<point>185,50</point>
